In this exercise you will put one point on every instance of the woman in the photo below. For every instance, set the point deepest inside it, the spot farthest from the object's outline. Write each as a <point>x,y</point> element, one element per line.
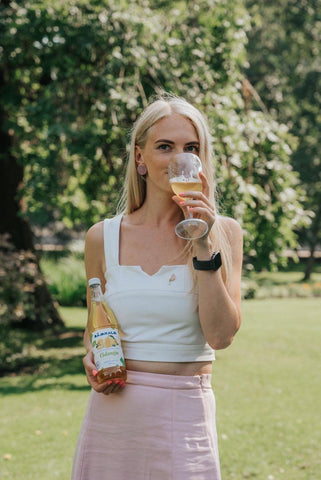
<point>174,314</point>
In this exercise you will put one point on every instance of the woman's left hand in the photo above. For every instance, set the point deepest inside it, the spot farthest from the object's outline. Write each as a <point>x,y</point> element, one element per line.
<point>197,203</point>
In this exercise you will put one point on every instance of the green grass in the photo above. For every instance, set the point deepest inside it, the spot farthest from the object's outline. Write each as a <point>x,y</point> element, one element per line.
<point>268,390</point>
<point>267,387</point>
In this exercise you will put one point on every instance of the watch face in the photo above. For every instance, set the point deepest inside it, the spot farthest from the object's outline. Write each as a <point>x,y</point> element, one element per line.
<point>218,261</point>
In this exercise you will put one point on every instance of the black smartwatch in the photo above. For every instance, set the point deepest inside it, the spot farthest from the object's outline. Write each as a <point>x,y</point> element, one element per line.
<point>213,264</point>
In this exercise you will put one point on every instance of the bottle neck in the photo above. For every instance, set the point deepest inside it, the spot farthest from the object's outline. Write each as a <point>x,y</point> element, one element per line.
<point>96,293</point>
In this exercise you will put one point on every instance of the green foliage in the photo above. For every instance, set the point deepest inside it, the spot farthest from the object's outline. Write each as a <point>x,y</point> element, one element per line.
<point>287,284</point>
<point>66,280</point>
<point>258,186</point>
<point>288,33</point>
<point>77,76</point>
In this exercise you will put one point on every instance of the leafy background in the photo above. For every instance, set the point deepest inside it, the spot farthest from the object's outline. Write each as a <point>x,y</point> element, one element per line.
<point>78,74</point>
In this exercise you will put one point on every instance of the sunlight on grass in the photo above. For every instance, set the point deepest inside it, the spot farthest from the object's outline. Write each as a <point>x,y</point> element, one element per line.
<point>267,387</point>
<point>74,317</point>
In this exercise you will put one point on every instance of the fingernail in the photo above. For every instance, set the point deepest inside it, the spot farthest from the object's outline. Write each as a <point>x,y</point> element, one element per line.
<point>182,203</point>
<point>116,381</point>
<point>122,385</point>
<point>109,382</point>
<point>94,372</point>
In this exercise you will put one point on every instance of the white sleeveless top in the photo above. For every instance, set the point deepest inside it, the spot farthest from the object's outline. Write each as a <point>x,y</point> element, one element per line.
<point>157,313</point>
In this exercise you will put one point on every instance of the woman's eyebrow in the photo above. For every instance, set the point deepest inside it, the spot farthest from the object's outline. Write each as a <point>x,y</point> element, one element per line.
<point>164,141</point>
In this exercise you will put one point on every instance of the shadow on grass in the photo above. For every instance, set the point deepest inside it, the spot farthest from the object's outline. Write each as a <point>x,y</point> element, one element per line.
<point>45,362</point>
<point>67,338</point>
<point>50,376</point>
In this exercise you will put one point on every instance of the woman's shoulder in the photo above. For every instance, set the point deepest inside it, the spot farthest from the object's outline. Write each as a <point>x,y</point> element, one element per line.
<point>94,251</point>
<point>98,228</point>
<point>230,226</point>
<point>94,234</point>
<point>234,235</point>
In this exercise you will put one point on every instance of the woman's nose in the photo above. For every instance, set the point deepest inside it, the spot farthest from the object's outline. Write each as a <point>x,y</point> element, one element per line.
<point>179,150</point>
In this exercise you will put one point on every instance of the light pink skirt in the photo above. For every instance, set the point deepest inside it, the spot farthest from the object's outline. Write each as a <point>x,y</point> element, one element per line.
<point>159,427</point>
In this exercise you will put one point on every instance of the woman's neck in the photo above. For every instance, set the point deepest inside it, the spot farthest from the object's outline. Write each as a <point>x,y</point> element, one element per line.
<point>158,209</point>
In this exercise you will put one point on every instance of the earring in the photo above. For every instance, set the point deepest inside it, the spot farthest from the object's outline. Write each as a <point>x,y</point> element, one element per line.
<point>141,169</point>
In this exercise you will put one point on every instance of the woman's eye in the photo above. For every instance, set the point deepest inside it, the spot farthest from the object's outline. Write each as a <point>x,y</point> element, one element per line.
<point>192,148</point>
<point>163,146</point>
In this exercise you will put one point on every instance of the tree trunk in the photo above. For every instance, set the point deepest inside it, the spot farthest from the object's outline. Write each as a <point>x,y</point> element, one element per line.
<point>310,264</point>
<point>313,244</point>
<point>11,177</point>
<point>22,279</point>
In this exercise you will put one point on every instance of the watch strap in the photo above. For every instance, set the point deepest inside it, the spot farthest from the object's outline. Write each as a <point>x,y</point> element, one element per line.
<point>214,263</point>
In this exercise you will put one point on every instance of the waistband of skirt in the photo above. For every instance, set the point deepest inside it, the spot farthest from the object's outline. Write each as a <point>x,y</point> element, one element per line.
<point>169,381</point>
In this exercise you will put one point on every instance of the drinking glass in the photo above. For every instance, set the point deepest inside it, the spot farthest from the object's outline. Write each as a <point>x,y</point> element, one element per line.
<point>183,172</point>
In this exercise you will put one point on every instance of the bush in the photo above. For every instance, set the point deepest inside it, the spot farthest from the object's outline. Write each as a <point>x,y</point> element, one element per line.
<point>248,289</point>
<point>66,279</point>
<point>277,285</point>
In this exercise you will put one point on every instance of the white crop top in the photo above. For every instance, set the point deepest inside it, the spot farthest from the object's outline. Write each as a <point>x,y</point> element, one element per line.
<point>157,313</point>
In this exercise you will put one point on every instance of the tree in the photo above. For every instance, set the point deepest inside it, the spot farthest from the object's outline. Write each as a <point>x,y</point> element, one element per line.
<point>25,298</point>
<point>77,74</point>
<point>255,179</point>
<point>287,34</point>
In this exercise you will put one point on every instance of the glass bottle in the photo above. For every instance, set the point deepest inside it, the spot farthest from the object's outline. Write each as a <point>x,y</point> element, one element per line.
<point>104,336</point>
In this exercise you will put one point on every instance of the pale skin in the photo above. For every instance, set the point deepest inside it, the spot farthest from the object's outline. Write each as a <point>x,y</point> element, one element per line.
<point>153,225</point>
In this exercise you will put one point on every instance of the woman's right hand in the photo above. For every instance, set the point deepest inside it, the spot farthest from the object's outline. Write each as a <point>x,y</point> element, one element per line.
<point>107,387</point>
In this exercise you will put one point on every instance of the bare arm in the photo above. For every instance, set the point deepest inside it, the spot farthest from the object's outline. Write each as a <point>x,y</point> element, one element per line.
<point>95,267</point>
<point>219,305</point>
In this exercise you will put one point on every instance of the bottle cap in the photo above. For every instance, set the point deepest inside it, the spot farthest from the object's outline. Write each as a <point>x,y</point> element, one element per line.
<point>94,281</point>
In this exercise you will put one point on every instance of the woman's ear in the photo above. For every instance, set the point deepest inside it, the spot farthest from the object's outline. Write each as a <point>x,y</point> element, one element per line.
<point>139,159</point>
<point>138,155</point>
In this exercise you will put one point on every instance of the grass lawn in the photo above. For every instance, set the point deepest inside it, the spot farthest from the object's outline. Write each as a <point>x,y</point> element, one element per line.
<point>267,387</point>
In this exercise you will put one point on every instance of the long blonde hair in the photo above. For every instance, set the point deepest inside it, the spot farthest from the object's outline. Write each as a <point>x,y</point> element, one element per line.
<point>134,190</point>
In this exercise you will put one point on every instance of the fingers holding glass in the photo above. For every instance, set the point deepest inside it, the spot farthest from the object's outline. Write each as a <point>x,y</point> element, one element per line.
<point>184,176</point>
<point>199,207</point>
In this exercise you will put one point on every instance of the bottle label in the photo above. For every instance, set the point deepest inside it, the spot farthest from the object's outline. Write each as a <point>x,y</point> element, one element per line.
<point>107,348</point>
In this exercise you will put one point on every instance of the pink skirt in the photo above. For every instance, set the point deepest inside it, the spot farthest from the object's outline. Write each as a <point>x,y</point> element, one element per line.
<point>159,427</point>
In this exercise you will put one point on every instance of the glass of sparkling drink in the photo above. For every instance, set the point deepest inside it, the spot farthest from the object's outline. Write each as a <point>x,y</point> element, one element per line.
<point>183,172</point>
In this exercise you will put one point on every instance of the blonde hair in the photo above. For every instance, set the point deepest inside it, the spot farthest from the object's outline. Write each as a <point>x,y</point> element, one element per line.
<point>134,190</point>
